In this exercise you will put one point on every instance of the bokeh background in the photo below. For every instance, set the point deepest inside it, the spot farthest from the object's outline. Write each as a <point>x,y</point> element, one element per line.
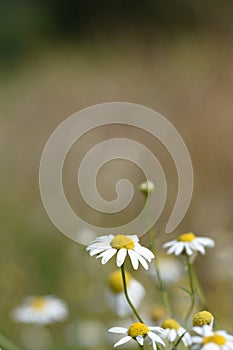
<point>59,57</point>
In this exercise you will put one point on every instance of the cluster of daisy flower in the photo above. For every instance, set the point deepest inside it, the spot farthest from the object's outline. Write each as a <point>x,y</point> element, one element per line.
<point>125,293</point>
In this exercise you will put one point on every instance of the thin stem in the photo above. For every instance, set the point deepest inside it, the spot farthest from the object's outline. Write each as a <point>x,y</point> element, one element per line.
<point>6,344</point>
<point>127,296</point>
<point>162,287</point>
<point>200,290</point>
<point>192,291</point>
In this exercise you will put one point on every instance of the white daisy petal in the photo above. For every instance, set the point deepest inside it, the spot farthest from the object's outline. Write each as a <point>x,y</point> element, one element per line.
<point>155,338</point>
<point>121,255</point>
<point>172,335</point>
<point>208,242</point>
<point>173,248</point>
<point>120,330</point>
<point>96,251</point>
<point>179,248</point>
<point>140,339</point>
<point>142,261</point>
<point>188,248</point>
<point>145,252</point>
<point>169,244</point>
<point>134,259</point>
<point>106,255</point>
<point>122,341</point>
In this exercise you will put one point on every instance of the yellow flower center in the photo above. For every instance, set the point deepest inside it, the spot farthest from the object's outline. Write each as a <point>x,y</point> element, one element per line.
<point>187,237</point>
<point>170,323</point>
<point>38,303</point>
<point>202,318</point>
<point>216,338</point>
<point>122,241</point>
<point>115,281</point>
<point>138,329</point>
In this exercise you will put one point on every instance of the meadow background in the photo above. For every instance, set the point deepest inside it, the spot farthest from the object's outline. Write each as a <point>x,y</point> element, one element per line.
<point>59,57</point>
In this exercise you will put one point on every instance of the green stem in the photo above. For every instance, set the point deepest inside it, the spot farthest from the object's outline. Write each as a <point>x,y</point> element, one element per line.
<point>127,296</point>
<point>192,291</point>
<point>6,344</point>
<point>200,291</point>
<point>162,287</point>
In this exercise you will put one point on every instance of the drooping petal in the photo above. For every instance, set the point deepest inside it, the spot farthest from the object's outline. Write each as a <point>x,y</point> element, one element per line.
<point>122,341</point>
<point>133,259</point>
<point>179,248</point>
<point>142,261</point>
<point>121,255</point>
<point>188,249</point>
<point>140,339</point>
<point>156,338</point>
<point>145,252</point>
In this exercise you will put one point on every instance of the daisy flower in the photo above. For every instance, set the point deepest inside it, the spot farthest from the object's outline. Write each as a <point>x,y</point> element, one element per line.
<point>107,246</point>
<point>147,187</point>
<point>203,318</point>
<point>41,310</point>
<point>189,244</point>
<point>209,340</point>
<point>173,331</point>
<point>115,295</point>
<point>139,331</point>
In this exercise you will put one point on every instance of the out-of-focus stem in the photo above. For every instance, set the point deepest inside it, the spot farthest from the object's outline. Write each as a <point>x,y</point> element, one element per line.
<point>6,344</point>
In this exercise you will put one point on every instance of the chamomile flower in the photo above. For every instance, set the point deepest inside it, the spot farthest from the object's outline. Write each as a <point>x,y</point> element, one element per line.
<point>41,310</point>
<point>189,244</point>
<point>139,332</point>
<point>147,187</point>
<point>203,318</point>
<point>209,340</point>
<point>107,246</point>
<point>173,331</point>
<point>115,295</point>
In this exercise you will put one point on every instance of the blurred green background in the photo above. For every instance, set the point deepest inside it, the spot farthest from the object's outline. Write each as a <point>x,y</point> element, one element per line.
<point>58,57</point>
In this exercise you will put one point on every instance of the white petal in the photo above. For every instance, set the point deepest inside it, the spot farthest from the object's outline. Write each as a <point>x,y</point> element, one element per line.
<point>133,258</point>
<point>140,339</point>
<point>122,341</point>
<point>207,242</point>
<point>120,330</point>
<point>188,248</point>
<point>145,252</point>
<point>169,244</point>
<point>157,329</point>
<point>155,338</point>
<point>96,251</point>
<point>197,246</point>
<point>172,335</point>
<point>121,256</point>
<point>211,346</point>
<point>142,261</point>
<point>107,255</point>
<point>179,248</point>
